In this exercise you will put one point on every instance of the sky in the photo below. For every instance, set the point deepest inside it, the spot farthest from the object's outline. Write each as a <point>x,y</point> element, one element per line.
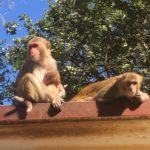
<point>11,9</point>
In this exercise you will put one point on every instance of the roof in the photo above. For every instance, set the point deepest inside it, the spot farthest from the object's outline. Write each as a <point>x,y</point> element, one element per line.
<point>75,110</point>
<point>78,125</point>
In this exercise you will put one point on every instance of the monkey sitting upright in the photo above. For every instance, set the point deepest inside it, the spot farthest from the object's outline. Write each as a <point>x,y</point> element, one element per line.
<point>38,79</point>
<point>125,85</point>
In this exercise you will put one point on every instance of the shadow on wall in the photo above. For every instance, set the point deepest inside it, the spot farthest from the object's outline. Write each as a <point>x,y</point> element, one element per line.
<point>20,110</point>
<point>75,109</point>
<point>116,107</point>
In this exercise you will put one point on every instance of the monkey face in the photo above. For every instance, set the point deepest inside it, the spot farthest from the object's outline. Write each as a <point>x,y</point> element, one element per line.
<point>38,49</point>
<point>51,77</point>
<point>130,83</point>
<point>33,52</point>
<point>131,88</point>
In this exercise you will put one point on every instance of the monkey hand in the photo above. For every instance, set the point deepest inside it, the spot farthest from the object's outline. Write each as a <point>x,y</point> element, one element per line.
<point>57,101</point>
<point>142,97</point>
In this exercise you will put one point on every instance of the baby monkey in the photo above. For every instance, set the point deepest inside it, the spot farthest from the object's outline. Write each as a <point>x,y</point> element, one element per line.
<point>38,79</point>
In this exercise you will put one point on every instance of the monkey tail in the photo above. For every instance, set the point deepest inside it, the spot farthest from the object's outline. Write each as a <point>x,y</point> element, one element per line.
<point>29,105</point>
<point>20,99</point>
<point>26,102</point>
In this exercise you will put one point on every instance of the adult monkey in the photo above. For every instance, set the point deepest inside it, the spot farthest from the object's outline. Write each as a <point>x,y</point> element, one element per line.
<point>125,85</point>
<point>38,79</point>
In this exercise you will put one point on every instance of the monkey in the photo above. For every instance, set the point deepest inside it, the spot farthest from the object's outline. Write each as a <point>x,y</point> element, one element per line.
<point>38,79</point>
<point>52,77</point>
<point>125,85</point>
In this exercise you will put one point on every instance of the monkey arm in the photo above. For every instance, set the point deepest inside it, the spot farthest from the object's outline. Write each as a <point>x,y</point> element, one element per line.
<point>20,74</point>
<point>62,92</point>
<point>55,94</point>
<point>59,98</point>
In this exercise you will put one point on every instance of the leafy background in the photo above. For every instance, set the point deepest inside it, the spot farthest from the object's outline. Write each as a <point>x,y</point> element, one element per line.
<point>91,40</point>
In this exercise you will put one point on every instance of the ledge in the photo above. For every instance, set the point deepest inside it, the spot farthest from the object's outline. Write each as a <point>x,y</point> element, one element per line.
<point>76,110</point>
<point>78,125</point>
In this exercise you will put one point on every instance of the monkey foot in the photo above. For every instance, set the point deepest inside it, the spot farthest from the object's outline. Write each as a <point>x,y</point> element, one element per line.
<point>57,102</point>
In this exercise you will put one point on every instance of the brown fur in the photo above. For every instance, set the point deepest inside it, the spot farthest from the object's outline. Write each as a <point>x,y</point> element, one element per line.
<point>52,77</point>
<point>38,79</point>
<point>113,88</point>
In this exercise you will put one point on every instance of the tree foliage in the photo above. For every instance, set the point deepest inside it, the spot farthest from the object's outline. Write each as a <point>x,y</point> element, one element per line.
<point>91,39</point>
<point>5,79</point>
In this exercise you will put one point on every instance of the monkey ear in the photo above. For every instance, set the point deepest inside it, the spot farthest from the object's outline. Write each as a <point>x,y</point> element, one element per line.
<point>48,44</point>
<point>120,78</point>
<point>117,78</point>
<point>140,78</point>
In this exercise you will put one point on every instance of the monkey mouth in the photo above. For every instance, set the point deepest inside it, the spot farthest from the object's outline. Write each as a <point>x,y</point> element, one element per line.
<point>34,58</point>
<point>32,55</point>
<point>131,93</point>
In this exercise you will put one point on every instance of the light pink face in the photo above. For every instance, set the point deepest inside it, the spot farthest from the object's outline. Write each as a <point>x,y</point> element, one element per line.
<point>131,88</point>
<point>129,83</point>
<point>34,51</point>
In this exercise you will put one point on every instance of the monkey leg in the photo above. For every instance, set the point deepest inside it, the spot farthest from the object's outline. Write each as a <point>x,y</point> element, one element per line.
<point>26,102</point>
<point>31,88</point>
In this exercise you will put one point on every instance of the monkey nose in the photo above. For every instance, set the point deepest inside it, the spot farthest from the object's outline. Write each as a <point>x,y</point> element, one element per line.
<point>32,53</point>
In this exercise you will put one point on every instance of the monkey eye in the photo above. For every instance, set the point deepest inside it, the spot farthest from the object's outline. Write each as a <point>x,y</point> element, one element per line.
<point>132,82</point>
<point>33,46</point>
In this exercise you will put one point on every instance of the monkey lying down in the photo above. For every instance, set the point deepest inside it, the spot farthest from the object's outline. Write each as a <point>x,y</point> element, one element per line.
<point>125,85</point>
